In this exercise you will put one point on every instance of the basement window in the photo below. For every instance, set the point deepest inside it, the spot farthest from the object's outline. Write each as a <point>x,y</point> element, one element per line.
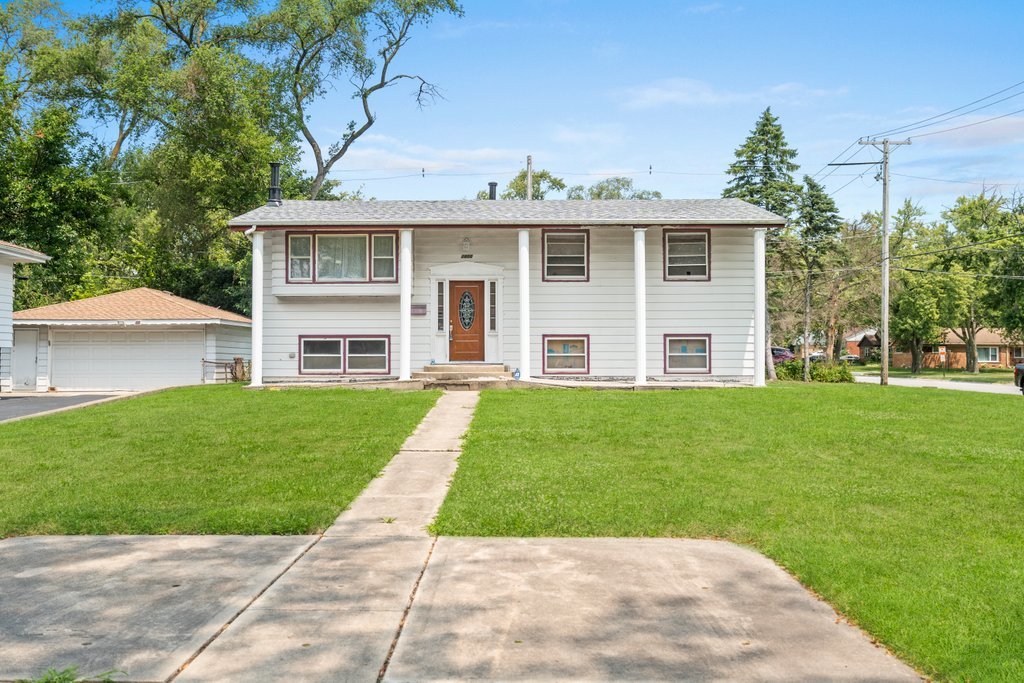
<point>566,355</point>
<point>321,355</point>
<point>366,355</point>
<point>687,354</point>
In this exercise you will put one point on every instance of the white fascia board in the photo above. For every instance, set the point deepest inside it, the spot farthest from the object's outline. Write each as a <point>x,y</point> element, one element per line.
<point>22,255</point>
<point>312,224</point>
<point>128,323</point>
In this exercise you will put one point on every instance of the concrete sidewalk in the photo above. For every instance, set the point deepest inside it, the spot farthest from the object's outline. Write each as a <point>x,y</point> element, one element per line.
<point>922,383</point>
<point>336,614</point>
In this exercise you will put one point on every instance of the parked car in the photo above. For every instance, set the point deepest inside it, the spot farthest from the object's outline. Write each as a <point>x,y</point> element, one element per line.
<point>781,354</point>
<point>818,357</point>
<point>851,358</point>
<point>1018,377</point>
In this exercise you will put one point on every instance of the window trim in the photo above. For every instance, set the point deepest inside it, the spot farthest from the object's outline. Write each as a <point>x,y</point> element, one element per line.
<point>989,346</point>
<point>1018,353</point>
<point>544,251</point>
<point>343,340</point>
<point>562,371</point>
<point>686,335</point>
<point>664,254</point>
<point>314,275</point>
<point>387,354</point>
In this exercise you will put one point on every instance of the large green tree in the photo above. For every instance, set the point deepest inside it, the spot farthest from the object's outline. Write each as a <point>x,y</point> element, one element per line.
<point>817,238</point>
<point>315,43</point>
<point>617,187</point>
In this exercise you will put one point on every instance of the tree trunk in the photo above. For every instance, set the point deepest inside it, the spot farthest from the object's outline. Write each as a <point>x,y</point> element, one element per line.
<point>972,352</point>
<point>832,339</point>
<point>916,356</point>
<point>769,362</point>
<point>318,182</point>
<point>807,328</point>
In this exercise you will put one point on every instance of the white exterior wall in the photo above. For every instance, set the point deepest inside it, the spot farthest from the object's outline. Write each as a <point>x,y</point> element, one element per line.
<point>722,307</point>
<point>6,334</point>
<point>223,343</point>
<point>602,308</point>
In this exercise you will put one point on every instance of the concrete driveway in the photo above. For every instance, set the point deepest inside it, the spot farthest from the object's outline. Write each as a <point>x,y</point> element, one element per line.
<point>922,383</point>
<point>15,406</point>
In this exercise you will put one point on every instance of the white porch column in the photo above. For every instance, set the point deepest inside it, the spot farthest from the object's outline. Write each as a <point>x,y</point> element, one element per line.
<point>760,307</point>
<point>405,304</point>
<point>524,303</point>
<point>256,378</point>
<point>640,286</point>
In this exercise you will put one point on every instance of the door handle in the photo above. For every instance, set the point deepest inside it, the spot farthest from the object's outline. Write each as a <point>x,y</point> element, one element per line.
<point>450,328</point>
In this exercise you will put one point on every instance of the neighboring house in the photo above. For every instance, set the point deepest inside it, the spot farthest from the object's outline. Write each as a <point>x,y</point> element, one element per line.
<point>863,343</point>
<point>9,255</point>
<point>133,340</point>
<point>628,289</point>
<point>994,351</point>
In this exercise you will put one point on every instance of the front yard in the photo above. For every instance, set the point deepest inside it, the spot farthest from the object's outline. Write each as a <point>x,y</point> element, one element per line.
<point>201,460</point>
<point>899,506</point>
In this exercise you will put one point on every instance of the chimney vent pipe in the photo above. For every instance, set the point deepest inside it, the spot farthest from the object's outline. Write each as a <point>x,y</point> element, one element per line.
<point>493,191</point>
<point>274,199</point>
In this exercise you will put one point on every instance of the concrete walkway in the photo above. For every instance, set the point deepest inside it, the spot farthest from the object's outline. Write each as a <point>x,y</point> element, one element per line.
<point>979,387</point>
<point>335,615</point>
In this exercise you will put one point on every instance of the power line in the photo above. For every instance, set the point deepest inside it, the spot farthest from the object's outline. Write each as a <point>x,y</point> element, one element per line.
<point>907,129</point>
<point>966,125</point>
<point>960,273</point>
<point>955,182</point>
<point>960,246</point>
<point>932,118</point>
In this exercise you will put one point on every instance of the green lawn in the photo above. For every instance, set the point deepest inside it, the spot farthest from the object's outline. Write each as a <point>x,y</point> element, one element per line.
<point>899,506</point>
<point>207,460</point>
<point>987,375</point>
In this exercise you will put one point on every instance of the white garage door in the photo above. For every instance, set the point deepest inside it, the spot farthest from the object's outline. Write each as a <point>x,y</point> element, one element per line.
<point>92,359</point>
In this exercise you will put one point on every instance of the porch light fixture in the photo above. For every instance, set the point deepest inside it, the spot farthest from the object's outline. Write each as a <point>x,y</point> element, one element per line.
<point>466,245</point>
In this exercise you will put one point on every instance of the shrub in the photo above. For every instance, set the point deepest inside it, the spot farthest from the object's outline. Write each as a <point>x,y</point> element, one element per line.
<point>793,370</point>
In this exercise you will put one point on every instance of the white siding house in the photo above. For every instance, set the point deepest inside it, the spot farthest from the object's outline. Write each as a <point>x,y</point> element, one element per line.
<point>9,255</point>
<point>663,290</point>
<point>133,340</point>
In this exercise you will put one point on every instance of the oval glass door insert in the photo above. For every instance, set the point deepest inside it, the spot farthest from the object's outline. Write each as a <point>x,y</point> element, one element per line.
<point>467,310</point>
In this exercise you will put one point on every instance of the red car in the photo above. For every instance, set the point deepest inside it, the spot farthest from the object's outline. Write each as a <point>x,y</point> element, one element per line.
<point>781,355</point>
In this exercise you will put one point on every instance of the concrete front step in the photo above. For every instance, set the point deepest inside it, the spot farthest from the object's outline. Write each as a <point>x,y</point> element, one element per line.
<point>437,376</point>
<point>477,369</point>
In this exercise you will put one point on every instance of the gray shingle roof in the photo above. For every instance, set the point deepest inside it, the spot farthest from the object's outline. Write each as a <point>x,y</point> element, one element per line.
<point>500,212</point>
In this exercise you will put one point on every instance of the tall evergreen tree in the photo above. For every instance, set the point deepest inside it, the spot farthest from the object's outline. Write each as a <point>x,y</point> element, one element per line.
<point>819,224</point>
<point>762,173</point>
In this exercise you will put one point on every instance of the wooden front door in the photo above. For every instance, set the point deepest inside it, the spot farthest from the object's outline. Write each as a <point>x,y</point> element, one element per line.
<point>466,319</point>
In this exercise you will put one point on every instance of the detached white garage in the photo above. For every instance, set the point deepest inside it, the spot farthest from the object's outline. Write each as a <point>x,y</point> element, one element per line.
<point>134,340</point>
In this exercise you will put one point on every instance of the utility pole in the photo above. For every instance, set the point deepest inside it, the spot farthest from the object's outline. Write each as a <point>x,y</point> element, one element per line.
<point>529,176</point>
<point>886,143</point>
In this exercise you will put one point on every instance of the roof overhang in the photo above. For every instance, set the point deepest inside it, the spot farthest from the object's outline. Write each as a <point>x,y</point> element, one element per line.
<point>127,323</point>
<point>510,225</point>
<point>21,254</point>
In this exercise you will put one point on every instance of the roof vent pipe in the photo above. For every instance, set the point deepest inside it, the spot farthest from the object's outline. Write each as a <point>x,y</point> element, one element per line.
<point>493,191</point>
<point>275,184</point>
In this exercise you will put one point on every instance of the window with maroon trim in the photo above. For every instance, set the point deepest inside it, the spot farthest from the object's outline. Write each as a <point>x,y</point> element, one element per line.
<point>342,257</point>
<point>685,354</point>
<point>566,255</point>
<point>348,355</point>
<point>686,255</point>
<point>566,354</point>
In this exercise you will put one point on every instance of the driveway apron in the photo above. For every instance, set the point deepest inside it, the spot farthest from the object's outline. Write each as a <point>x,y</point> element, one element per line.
<point>336,614</point>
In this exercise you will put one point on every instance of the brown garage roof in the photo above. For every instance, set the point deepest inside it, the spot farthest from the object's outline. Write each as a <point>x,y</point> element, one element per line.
<point>134,304</point>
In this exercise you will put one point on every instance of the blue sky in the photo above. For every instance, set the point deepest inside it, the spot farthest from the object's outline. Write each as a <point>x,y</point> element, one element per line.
<point>595,88</point>
<point>616,87</point>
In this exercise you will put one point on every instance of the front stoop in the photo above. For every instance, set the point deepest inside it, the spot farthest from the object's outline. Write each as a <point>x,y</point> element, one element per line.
<point>464,376</point>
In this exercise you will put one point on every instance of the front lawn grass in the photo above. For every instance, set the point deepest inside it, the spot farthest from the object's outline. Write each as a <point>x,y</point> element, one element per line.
<point>903,507</point>
<point>201,460</point>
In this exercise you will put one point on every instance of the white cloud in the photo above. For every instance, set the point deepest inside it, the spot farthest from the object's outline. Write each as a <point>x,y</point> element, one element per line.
<point>691,92</point>
<point>382,154</point>
<point>706,8</point>
<point>1001,132</point>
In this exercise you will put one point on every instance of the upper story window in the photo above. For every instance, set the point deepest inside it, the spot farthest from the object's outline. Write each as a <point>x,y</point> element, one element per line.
<point>686,254</point>
<point>342,257</point>
<point>567,255</point>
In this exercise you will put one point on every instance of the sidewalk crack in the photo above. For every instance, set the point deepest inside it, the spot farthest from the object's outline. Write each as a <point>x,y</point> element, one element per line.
<point>405,614</point>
